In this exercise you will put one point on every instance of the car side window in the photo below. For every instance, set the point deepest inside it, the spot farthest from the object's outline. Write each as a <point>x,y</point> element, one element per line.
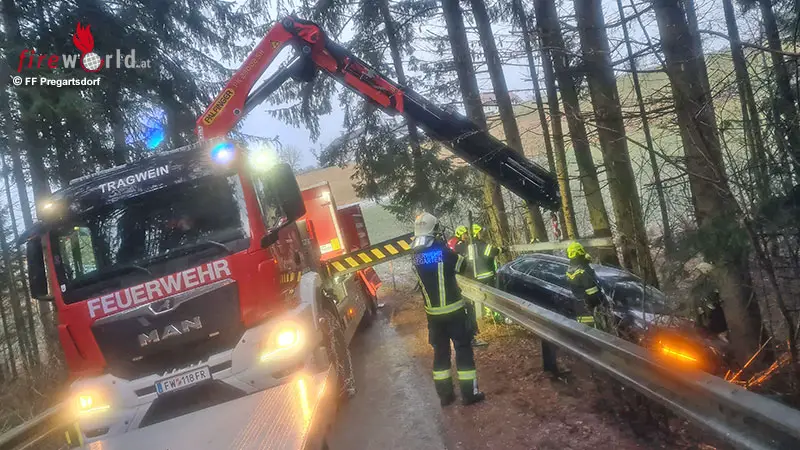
<point>525,266</point>
<point>553,272</point>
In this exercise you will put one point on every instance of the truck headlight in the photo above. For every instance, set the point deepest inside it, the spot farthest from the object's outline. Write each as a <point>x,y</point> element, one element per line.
<point>287,337</point>
<point>91,402</point>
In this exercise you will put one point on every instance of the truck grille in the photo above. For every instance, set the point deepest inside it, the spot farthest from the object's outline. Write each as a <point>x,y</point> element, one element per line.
<point>171,333</point>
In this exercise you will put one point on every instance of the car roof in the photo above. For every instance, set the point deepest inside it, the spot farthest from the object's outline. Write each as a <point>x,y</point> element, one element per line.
<point>603,272</point>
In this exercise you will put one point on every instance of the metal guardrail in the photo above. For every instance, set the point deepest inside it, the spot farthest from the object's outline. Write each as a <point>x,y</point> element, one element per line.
<point>742,418</point>
<point>561,245</point>
<point>29,435</point>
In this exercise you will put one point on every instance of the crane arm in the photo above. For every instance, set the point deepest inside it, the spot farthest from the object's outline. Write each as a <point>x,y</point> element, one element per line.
<point>315,53</point>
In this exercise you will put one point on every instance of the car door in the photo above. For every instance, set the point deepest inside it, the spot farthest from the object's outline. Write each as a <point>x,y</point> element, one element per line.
<point>554,274</point>
<point>534,284</point>
<point>512,278</point>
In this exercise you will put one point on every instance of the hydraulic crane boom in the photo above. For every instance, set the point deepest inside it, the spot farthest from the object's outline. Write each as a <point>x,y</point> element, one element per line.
<point>316,53</point>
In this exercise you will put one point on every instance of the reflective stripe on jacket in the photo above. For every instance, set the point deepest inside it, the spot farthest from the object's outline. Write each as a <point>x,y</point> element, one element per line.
<point>436,268</point>
<point>582,281</point>
<point>483,259</point>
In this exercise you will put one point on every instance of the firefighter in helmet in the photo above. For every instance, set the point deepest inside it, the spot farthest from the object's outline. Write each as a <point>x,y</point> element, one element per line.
<point>582,280</point>
<point>460,246</point>
<point>483,257</point>
<point>436,267</point>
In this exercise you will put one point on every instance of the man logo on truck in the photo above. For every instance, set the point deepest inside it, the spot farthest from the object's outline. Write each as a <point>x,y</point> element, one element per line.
<point>170,330</point>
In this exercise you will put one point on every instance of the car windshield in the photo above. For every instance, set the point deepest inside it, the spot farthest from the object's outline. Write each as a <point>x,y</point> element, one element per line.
<point>116,245</point>
<point>633,294</point>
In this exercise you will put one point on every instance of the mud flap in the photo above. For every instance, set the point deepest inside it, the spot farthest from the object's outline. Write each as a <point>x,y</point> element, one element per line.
<point>371,280</point>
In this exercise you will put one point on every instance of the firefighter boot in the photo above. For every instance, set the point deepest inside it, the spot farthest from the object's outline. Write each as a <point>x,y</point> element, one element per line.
<point>444,388</point>
<point>469,391</point>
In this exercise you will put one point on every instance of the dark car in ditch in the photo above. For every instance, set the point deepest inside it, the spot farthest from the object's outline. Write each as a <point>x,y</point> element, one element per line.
<point>646,315</point>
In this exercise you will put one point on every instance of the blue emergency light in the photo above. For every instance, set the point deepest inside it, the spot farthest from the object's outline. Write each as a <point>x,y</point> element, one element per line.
<point>223,152</point>
<point>154,136</point>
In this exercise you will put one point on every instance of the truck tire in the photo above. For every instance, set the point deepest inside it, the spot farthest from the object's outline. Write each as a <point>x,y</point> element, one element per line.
<point>370,309</point>
<point>338,353</point>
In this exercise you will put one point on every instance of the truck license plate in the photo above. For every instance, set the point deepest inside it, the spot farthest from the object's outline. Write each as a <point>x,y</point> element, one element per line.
<point>183,380</point>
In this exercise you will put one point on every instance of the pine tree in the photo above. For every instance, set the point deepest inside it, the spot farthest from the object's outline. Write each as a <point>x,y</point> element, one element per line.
<point>613,142</point>
<point>493,204</point>
<point>722,240</point>
<point>550,32</point>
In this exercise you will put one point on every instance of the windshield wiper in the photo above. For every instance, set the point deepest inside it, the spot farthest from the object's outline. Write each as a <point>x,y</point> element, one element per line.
<point>179,251</point>
<point>110,272</point>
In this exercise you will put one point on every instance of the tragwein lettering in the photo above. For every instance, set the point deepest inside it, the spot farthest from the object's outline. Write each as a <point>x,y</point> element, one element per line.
<point>157,289</point>
<point>135,178</point>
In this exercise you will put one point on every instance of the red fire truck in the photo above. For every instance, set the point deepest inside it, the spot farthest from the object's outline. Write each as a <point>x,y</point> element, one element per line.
<point>199,275</point>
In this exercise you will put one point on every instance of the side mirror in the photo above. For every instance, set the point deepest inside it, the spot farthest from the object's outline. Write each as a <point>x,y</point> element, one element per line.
<point>270,238</point>
<point>37,275</point>
<point>283,186</point>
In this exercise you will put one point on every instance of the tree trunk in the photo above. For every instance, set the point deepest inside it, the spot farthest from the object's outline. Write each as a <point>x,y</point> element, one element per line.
<point>662,201</point>
<point>12,359</point>
<point>697,42</point>
<point>12,51</point>
<point>613,143</point>
<point>459,44</point>
<point>533,216</point>
<point>421,183</point>
<point>750,114</point>
<point>714,204</point>
<point>30,126</point>
<point>21,264</point>
<point>562,170</point>
<point>569,226</point>
<point>786,111</point>
<point>117,123</point>
<point>16,305</point>
<point>550,32</point>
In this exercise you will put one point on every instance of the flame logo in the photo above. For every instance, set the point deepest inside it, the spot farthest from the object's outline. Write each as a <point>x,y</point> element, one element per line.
<point>83,38</point>
<point>84,41</point>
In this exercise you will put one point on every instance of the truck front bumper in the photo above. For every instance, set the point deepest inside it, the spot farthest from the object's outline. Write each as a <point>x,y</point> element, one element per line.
<point>257,362</point>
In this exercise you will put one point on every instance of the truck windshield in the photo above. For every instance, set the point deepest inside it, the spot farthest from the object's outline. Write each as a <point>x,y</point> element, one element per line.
<point>150,235</point>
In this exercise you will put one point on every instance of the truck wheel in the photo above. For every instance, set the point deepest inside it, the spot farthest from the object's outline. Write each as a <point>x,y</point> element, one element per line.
<point>370,309</point>
<point>338,353</point>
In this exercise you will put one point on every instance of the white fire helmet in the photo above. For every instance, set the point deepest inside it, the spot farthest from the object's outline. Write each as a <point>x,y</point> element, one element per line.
<point>425,227</point>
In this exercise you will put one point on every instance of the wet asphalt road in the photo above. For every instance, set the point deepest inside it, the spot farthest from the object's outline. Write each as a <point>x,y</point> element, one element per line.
<point>396,406</point>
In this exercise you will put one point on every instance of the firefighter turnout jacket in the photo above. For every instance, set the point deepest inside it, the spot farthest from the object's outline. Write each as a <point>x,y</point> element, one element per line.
<point>582,281</point>
<point>436,267</point>
<point>483,259</point>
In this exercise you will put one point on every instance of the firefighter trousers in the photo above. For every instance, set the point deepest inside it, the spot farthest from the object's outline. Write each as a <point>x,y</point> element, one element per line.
<point>442,329</point>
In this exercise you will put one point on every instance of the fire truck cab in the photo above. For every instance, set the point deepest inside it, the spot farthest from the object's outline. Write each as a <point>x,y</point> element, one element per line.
<point>186,280</point>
